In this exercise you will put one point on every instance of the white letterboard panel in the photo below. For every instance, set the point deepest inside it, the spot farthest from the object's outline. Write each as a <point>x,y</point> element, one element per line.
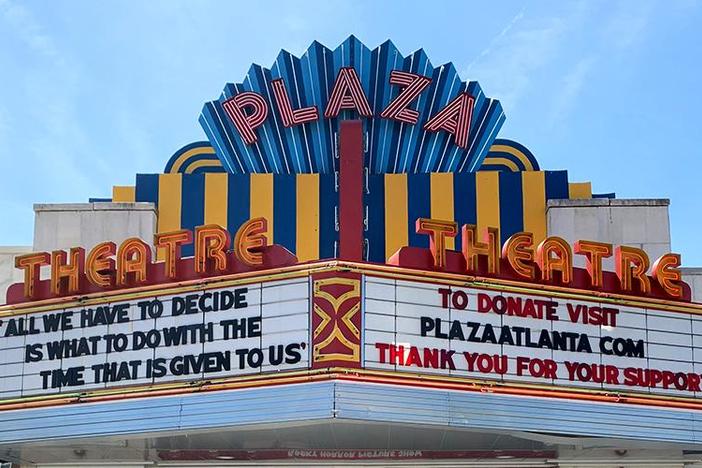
<point>202,334</point>
<point>425,327</point>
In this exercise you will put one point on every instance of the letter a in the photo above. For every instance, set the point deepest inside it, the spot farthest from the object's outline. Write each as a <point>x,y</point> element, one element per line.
<point>454,118</point>
<point>347,94</point>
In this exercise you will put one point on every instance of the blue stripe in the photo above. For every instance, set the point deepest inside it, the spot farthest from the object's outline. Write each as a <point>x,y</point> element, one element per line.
<point>277,137</point>
<point>375,204</point>
<point>464,201</point>
<point>284,210</point>
<point>511,201</point>
<point>147,188</point>
<point>238,200</point>
<point>192,206</point>
<point>556,185</point>
<point>208,169</point>
<point>328,201</point>
<point>418,206</point>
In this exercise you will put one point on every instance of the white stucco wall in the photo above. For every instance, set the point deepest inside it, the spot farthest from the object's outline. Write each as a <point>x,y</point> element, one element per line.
<point>65,225</point>
<point>637,223</point>
<point>60,226</point>
<point>8,273</point>
<point>693,277</point>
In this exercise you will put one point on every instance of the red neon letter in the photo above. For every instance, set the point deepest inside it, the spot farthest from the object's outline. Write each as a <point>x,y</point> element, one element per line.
<point>249,239</point>
<point>246,124</point>
<point>133,256</point>
<point>347,94</point>
<point>100,267</point>
<point>454,118</point>
<point>31,263</point>
<point>561,260</point>
<point>288,115</point>
<point>171,243</point>
<point>667,274</point>
<point>211,245</point>
<point>630,263</point>
<point>413,86</point>
<point>65,273</point>
<point>437,230</point>
<point>519,254</point>
<point>473,248</point>
<point>594,253</point>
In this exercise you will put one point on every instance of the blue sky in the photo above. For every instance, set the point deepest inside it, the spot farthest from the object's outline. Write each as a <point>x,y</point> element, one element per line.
<point>93,92</point>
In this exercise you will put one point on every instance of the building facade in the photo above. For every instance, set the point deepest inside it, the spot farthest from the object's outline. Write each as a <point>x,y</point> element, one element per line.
<point>353,268</point>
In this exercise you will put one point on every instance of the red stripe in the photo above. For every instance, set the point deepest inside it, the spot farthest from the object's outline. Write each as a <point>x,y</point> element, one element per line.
<point>351,190</point>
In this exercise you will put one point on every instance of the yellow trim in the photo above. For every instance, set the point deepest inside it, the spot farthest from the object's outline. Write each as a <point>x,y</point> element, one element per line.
<point>262,200</point>
<point>123,194</point>
<point>579,190</point>
<point>202,163</point>
<point>307,225</point>
<point>216,188</point>
<point>502,162</point>
<point>169,204</point>
<point>514,152</point>
<point>534,203</point>
<point>191,152</point>
<point>441,187</point>
<point>388,271</point>
<point>396,217</point>
<point>487,199</point>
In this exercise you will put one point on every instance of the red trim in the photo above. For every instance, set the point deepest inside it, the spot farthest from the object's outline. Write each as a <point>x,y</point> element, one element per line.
<point>351,190</point>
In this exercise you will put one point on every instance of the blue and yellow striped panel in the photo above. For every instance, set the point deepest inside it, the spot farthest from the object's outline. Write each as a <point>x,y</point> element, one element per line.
<point>298,209</point>
<point>302,208</point>
<point>510,201</point>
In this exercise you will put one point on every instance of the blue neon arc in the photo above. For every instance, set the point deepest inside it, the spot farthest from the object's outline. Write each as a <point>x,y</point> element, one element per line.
<point>393,146</point>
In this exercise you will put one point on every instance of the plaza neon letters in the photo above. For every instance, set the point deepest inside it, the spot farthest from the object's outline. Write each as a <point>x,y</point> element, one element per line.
<point>249,110</point>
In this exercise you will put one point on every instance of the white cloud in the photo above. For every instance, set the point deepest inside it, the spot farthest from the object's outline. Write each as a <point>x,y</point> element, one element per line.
<point>26,28</point>
<point>509,63</point>
<point>488,50</point>
<point>573,82</point>
<point>627,23</point>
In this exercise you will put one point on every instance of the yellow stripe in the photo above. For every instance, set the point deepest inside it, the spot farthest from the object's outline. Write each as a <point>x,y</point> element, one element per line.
<point>501,162</point>
<point>169,204</point>
<point>514,152</point>
<point>396,224</point>
<point>441,186</point>
<point>487,194</point>
<point>191,152</point>
<point>307,225</point>
<point>203,163</point>
<point>262,200</point>
<point>534,196</point>
<point>216,199</point>
<point>579,190</point>
<point>123,194</point>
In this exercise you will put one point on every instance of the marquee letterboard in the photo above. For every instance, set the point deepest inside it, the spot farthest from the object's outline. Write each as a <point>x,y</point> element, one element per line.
<point>422,327</point>
<point>193,335</point>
